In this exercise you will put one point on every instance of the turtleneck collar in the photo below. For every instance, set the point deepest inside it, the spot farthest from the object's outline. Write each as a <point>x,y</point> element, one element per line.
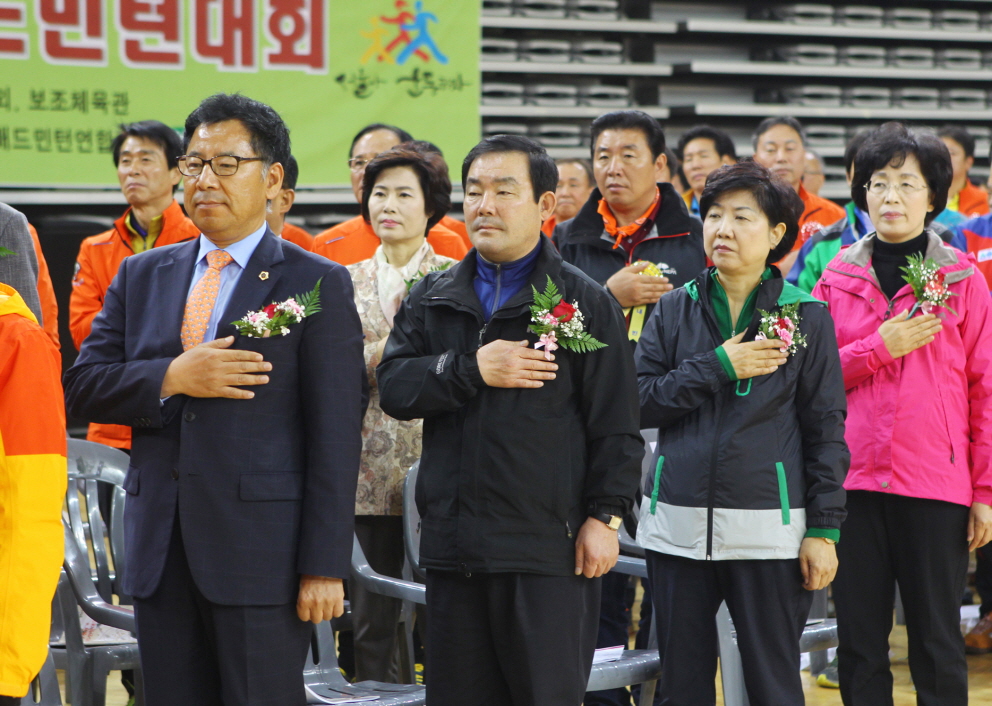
<point>496,283</point>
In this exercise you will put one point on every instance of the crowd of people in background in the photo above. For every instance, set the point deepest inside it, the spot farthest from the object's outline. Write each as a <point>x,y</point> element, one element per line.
<point>770,335</point>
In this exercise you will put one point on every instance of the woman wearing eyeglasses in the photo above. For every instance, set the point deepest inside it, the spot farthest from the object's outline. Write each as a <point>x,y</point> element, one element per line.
<point>919,426</point>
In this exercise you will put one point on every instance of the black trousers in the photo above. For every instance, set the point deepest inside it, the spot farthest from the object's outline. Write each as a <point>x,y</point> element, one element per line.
<point>922,545</point>
<point>375,617</point>
<point>983,578</point>
<point>198,653</point>
<point>509,639</point>
<point>769,607</point>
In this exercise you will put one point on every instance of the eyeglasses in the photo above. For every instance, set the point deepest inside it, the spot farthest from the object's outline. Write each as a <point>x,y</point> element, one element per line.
<point>904,188</point>
<point>221,165</point>
<point>357,164</point>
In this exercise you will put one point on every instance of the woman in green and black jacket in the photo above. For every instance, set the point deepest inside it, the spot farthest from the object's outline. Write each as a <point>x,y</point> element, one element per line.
<point>740,372</point>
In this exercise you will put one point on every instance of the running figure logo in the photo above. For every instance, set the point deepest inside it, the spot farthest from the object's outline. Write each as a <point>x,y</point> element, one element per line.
<point>405,23</point>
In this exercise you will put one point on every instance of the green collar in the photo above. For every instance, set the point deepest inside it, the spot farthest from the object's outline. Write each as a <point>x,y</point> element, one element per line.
<point>792,294</point>
<point>721,306</point>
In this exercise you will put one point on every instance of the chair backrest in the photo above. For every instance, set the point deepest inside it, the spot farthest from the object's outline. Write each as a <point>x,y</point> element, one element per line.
<point>90,464</point>
<point>411,521</point>
<point>77,569</point>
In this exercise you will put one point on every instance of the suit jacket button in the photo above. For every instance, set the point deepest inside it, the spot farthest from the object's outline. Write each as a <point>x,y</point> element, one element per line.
<point>175,474</point>
<point>189,416</point>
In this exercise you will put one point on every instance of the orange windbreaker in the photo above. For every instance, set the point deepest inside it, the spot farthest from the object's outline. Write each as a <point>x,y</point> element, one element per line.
<point>297,236</point>
<point>548,227</point>
<point>99,257</point>
<point>354,241</point>
<point>32,489</point>
<point>453,224</point>
<point>819,213</point>
<point>973,201</point>
<point>46,292</point>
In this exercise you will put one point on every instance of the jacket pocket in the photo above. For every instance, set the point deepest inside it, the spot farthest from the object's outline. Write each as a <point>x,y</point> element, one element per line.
<point>947,423</point>
<point>271,486</point>
<point>783,493</point>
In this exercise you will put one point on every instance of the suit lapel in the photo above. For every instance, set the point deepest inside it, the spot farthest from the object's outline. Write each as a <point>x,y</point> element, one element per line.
<point>252,291</point>
<point>174,277</point>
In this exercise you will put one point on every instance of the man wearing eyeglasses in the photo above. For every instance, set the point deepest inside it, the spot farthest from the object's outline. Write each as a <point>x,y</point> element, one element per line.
<point>354,240</point>
<point>239,519</point>
<point>145,155</point>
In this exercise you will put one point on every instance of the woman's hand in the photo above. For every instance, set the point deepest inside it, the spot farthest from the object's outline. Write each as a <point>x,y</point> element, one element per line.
<point>818,561</point>
<point>754,358</point>
<point>979,526</point>
<point>903,335</point>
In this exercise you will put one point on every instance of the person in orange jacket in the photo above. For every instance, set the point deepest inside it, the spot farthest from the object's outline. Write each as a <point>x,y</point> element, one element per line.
<point>575,185</point>
<point>276,215</point>
<point>354,240</point>
<point>46,292</point>
<point>32,488</point>
<point>780,146</point>
<point>146,155</point>
<point>964,197</point>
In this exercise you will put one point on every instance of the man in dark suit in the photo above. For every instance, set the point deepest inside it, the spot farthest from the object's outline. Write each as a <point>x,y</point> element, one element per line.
<point>241,490</point>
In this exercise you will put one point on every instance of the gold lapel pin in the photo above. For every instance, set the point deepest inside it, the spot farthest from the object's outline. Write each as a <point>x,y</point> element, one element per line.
<point>263,275</point>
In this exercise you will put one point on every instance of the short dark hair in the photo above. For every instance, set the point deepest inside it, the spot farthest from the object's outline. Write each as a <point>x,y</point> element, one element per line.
<point>432,173</point>
<point>768,123</point>
<point>654,135</point>
<point>543,171</point>
<point>777,200</point>
<point>291,172</point>
<point>584,163</point>
<point>401,134</point>
<point>890,144</point>
<point>961,136</point>
<point>722,143</point>
<point>269,134</point>
<point>423,146</point>
<point>853,145</point>
<point>153,131</point>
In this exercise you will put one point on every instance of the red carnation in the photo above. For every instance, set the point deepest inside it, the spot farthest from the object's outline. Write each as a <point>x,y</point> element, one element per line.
<point>564,311</point>
<point>270,310</point>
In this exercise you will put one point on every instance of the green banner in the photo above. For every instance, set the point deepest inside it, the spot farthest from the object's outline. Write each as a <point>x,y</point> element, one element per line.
<point>71,70</point>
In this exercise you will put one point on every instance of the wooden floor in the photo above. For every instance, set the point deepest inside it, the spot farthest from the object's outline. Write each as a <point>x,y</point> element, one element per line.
<point>979,680</point>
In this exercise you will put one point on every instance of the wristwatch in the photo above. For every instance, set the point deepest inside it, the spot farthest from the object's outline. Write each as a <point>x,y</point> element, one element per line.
<point>611,521</point>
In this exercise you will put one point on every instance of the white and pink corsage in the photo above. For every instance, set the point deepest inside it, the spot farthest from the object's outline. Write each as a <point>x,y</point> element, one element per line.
<point>782,324</point>
<point>555,321</point>
<point>277,317</point>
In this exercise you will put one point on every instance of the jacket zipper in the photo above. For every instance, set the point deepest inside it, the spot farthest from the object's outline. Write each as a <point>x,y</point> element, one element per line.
<point>711,492</point>
<point>499,287</point>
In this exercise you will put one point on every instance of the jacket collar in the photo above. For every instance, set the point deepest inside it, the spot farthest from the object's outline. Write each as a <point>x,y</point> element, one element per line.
<point>456,285</point>
<point>769,293</point>
<point>170,234</point>
<point>672,219</point>
<point>858,257</point>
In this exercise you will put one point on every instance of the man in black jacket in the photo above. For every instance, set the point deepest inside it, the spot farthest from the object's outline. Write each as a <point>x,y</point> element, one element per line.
<point>632,219</point>
<point>529,458</point>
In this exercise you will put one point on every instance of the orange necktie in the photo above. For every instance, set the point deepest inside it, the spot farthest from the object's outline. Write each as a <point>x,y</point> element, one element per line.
<point>200,304</point>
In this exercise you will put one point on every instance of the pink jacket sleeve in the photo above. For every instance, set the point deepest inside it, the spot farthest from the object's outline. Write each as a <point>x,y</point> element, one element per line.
<point>859,359</point>
<point>976,335</point>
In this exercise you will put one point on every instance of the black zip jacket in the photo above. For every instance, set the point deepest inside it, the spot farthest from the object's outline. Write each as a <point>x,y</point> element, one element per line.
<point>749,466</point>
<point>508,476</point>
<point>675,243</point>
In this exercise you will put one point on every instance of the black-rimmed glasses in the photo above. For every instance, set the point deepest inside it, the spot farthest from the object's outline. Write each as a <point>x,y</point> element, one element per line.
<point>221,165</point>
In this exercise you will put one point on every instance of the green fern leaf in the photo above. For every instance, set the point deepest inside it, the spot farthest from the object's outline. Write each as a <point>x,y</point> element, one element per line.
<point>311,300</point>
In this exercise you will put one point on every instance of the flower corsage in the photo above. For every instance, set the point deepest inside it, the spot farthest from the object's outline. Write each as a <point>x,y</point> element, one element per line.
<point>782,324</point>
<point>277,317</point>
<point>556,321</point>
<point>927,281</point>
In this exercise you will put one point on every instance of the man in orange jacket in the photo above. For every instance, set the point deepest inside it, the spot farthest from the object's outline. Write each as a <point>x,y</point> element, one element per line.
<point>354,240</point>
<point>780,146</point>
<point>276,216</point>
<point>964,197</point>
<point>32,487</point>
<point>146,155</point>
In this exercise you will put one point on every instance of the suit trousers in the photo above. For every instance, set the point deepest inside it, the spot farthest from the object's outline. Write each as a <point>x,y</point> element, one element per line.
<point>921,545</point>
<point>768,605</point>
<point>375,618</point>
<point>198,653</point>
<point>509,639</point>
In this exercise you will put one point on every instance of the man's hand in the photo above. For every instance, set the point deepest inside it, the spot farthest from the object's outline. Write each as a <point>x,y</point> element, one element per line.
<point>211,370</point>
<point>633,289</point>
<point>818,561</point>
<point>596,549</point>
<point>903,335</point>
<point>754,358</point>
<point>320,598</point>
<point>380,347</point>
<point>979,526</point>
<point>514,364</point>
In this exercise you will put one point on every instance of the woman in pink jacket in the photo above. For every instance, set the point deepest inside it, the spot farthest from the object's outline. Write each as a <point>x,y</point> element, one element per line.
<point>919,394</point>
